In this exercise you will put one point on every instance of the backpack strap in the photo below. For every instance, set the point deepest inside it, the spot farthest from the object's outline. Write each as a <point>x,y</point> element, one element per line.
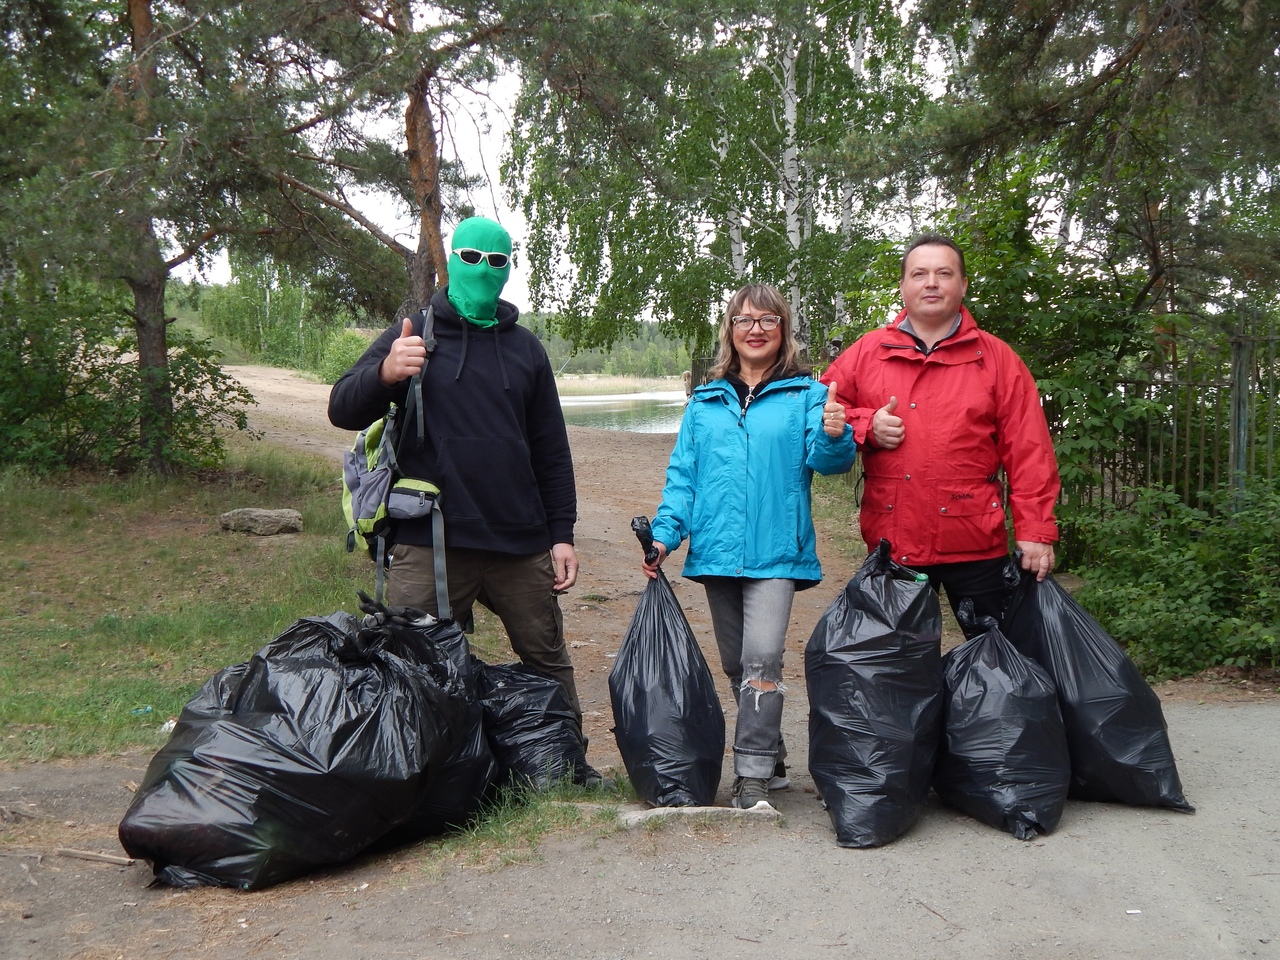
<point>380,568</point>
<point>413,403</point>
<point>414,410</point>
<point>415,388</point>
<point>444,609</point>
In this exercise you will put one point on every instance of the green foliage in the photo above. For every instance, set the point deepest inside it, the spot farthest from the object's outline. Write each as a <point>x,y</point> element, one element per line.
<point>276,318</point>
<point>263,310</point>
<point>206,403</point>
<point>1070,323</point>
<point>696,160</point>
<point>649,353</point>
<point>48,345</point>
<point>350,278</point>
<point>341,351</point>
<point>1185,588</point>
<point>70,387</point>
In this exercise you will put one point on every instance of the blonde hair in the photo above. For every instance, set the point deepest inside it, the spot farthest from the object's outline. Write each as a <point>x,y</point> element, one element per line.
<point>765,297</point>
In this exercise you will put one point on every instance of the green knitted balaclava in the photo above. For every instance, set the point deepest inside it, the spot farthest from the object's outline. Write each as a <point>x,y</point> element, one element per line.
<point>474,288</point>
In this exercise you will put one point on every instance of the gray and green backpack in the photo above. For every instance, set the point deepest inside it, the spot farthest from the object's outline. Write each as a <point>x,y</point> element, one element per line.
<point>375,491</point>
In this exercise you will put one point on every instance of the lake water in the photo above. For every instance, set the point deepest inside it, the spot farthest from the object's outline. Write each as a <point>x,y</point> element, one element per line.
<point>656,412</point>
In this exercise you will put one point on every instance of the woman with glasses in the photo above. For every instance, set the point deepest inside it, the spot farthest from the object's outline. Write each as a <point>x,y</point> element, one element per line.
<point>737,488</point>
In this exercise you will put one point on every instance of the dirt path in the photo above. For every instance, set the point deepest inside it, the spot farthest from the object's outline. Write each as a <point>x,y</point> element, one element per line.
<point>1110,882</point>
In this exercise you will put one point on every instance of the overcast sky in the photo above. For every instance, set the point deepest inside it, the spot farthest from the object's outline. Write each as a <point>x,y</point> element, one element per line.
<point>477,130</point>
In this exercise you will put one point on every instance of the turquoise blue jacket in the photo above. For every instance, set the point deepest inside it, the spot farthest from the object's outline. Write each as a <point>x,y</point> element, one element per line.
<point>738,483</point>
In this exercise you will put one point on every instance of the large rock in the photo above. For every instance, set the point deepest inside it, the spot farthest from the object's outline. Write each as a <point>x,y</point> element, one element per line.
<point>263,523</point>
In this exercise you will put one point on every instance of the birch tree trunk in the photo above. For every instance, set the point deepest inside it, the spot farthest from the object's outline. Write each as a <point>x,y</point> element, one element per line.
<point>791,187</point>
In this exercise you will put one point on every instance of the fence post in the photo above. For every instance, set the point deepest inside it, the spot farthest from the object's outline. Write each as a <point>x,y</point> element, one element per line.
<point>1241,368</point>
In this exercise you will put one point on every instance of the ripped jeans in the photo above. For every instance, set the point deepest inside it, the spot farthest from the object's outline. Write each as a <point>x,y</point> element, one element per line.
<point>750,621</point>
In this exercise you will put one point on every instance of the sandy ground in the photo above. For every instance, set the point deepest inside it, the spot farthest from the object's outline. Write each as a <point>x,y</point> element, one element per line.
<point>1111,882</point>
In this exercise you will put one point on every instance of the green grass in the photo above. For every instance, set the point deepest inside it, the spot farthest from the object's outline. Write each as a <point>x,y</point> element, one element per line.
<point>189,321</point>
<point>127,595</point>
<point>836,516</point>
<point>512,828</point>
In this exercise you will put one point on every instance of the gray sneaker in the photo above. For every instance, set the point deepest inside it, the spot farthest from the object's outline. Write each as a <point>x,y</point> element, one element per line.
<point>750,792</point>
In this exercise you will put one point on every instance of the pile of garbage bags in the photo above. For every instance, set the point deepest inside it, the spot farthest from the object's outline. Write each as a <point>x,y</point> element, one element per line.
<point>341,735</point>
<point>1040,707</point>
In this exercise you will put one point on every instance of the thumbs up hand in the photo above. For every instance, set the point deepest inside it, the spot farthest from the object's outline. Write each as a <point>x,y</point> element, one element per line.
<point>886,427</point>
<point>406,358</point>
<point>833,413</point>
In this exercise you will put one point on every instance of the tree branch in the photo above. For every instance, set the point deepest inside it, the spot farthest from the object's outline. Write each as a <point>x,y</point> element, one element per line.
<point>342,206</point>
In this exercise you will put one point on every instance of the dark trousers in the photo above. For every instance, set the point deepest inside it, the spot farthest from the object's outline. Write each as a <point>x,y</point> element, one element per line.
<point>981,581</point>
<point>518,588</point>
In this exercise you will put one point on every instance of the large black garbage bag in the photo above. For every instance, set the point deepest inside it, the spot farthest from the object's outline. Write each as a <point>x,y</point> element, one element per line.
<point>667,717</point>
<point>1004,756</point>
<point>874,675</point>
<point>1116,732</point>
<point>531,726</point>
<point>459,785</point>
<point>303,756</point>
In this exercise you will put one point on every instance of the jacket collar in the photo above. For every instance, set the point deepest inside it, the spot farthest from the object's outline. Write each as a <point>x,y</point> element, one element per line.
<point>900,339</point>
<point>721,387</point>
<point>453,323</point>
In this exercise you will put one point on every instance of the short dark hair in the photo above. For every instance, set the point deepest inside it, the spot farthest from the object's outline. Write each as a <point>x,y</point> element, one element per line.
<point>929,240</point>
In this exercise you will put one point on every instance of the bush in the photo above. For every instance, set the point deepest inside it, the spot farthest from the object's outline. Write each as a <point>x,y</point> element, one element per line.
<point>341,350</point>
<point>1185,588</point>
<point>70,395</point>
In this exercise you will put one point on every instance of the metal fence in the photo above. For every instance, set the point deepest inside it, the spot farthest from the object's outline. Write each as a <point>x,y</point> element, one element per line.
<point>1211,417</point>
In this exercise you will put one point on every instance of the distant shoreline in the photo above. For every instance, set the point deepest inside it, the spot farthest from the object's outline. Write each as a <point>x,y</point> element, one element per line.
<point>587,384</point>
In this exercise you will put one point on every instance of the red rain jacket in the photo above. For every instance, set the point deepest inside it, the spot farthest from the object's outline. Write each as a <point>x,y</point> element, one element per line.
<point>968,408</point>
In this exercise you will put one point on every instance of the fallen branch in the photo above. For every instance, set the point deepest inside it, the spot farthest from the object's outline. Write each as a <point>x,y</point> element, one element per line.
<point>99,857</point>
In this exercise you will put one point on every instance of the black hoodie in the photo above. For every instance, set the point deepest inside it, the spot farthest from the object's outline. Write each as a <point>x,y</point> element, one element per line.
<point>495,442</point>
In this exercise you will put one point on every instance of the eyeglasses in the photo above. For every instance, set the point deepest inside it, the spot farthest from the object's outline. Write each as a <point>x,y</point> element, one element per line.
<point>472,256</point>
<point>767,322</point>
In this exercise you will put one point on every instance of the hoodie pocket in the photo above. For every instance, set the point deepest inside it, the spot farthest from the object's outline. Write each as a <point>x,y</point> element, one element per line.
<point>489,479</point>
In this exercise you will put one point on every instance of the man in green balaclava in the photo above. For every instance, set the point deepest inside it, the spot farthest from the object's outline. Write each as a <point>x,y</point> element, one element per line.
<point>475,282</point>
<point>493,441</point>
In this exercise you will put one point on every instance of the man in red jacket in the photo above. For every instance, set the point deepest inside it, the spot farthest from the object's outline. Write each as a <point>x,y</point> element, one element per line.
<point>938,408</point>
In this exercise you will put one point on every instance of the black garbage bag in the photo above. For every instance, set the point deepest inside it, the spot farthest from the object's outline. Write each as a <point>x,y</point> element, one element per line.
<point>319,745</point>
<point>1116,733</point>
<point>531,727</point>
<point>1004,756</point>
<point>873,667</point>
<point>460,784</point>
<point>668,721</point>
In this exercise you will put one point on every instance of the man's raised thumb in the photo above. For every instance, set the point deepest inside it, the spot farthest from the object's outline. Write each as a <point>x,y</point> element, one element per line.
<point>406,328</point>
<point>831,392</point>
<point>891,406</point>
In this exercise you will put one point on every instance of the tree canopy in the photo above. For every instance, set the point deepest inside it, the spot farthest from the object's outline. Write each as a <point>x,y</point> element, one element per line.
<point>1114,164</point>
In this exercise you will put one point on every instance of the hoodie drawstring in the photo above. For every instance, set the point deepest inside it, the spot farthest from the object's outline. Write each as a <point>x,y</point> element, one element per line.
<point>462,359</point>
<point>497,346</point>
